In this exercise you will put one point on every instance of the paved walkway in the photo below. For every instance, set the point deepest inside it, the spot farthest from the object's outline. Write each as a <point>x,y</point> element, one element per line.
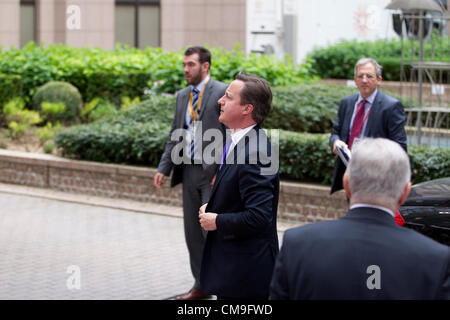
<point>61,246</point>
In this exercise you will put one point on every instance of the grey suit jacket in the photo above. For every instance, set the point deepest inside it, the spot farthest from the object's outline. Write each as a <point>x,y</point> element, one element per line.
<point>209,116</point>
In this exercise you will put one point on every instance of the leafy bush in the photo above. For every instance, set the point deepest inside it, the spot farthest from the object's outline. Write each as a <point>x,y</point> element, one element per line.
<point>306,108</point>
<point>338,60</point>
<point>103,108</point>
<point>429,163</point>
<point>137,135</point>
<point>59,92</point>
<point>19,119</point>
<point>51,110</point>
<point>10,87</point>
<point>129,72</point>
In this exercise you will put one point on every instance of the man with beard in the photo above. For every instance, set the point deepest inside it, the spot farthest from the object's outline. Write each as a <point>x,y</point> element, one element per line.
<point>196,109</point>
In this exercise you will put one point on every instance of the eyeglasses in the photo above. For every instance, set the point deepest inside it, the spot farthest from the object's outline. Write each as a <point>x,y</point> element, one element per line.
<point>368,76</point>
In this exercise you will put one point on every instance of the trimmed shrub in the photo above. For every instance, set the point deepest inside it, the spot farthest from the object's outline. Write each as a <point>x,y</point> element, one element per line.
<point>338,61</point>
<point>306,108</point>
<point>136,135</point>
<point>429,163</point>
<point>59,92</point>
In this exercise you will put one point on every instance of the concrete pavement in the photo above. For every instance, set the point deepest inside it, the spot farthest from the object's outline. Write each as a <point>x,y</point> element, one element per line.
<point>62,246</point>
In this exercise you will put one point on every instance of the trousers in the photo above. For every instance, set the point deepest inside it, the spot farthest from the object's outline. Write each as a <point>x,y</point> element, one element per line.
<point>196,191</point>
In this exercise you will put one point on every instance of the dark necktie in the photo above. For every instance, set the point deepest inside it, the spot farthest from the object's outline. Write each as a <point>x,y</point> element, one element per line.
<point>195,94</point>
<point>358,123</point>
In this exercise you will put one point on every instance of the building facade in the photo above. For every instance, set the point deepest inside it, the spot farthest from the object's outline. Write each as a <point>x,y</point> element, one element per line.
<point>263,26</point>
<point>170,24</point>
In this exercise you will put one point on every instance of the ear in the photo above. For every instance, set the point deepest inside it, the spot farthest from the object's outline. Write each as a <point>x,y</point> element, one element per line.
<point>205,66</point>
<point>379,79</point>
<point>248,109</point>
<point>346,186</point>
<point>405,194</point>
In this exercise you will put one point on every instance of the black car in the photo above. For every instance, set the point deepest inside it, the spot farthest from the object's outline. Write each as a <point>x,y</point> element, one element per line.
<point>427,209</point>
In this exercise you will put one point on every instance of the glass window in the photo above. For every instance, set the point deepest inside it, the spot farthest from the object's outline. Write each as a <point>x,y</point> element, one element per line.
<point>137,23</point>
<point>125,24</point>
<point>148,26</point>
<point>27,22</point>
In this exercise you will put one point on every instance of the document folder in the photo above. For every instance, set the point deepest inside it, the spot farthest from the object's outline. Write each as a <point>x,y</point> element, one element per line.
<point>345,154</point>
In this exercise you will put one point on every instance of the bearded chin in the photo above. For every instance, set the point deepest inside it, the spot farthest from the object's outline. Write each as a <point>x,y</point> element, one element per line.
<point>196,80</point>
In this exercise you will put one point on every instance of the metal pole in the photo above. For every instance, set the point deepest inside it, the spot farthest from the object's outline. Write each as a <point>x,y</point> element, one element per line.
<point>419,116</point>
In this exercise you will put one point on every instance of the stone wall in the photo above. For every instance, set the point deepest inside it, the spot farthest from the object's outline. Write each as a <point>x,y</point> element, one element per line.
<point>298,202</point>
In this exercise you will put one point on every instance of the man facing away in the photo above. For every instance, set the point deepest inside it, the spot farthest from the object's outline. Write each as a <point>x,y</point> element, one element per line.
<point>369,113</point>
<point>364,255</point>
<point>197,111</point>
<point>240,216</point>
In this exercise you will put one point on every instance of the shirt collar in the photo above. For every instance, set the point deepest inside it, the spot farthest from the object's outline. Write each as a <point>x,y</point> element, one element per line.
<point>202,84</point>
<point>237,135</point>
<point>369,99</point>
<point>366,205</point>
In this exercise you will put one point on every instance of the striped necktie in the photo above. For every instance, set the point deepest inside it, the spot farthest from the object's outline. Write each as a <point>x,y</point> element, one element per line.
<point>195,95</point>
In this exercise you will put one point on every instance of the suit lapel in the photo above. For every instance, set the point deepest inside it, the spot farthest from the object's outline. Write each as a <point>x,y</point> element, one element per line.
<point>206,96</point>
<point>374,110</point>
<point>236,153</point>
<point>219,176</point>
<point>348,117</point>
<point>183,100</point>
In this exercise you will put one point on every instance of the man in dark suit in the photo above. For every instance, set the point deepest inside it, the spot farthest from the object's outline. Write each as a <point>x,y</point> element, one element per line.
<point>196,112</point>
<point>240,216</point>
<point>369,113</point>
<point>364,255</point>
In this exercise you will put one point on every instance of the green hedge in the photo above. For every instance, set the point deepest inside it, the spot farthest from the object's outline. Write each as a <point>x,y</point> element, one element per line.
<point>306,108</point>
<point>138,135</point>
<point>10,87</point>
<point>128,71</point>
<point>338,61</point>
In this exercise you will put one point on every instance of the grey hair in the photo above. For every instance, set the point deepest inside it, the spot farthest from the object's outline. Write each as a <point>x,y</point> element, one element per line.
<point>364,61</point>
<point>378,171</point>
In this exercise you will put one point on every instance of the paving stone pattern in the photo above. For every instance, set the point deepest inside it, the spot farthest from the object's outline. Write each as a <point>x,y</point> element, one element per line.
<point>119,254</point>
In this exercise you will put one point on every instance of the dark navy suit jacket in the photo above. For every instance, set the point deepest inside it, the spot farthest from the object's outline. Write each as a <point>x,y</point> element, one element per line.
<point>239,256</point>
<point>331,260</point>
<point>386,120</point>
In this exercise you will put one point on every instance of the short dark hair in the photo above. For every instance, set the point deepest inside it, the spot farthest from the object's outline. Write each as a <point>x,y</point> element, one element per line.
<point>203,54</point>
<point>256,92</point>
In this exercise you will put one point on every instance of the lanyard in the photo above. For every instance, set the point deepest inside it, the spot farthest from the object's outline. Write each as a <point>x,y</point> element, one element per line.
<point>193,113</point>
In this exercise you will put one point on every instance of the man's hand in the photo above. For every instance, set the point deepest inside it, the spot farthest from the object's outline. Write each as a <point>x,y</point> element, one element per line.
<point>202,209</point>
<point>338,143</point>
<point>159,180</point>
<point>208,220</point>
